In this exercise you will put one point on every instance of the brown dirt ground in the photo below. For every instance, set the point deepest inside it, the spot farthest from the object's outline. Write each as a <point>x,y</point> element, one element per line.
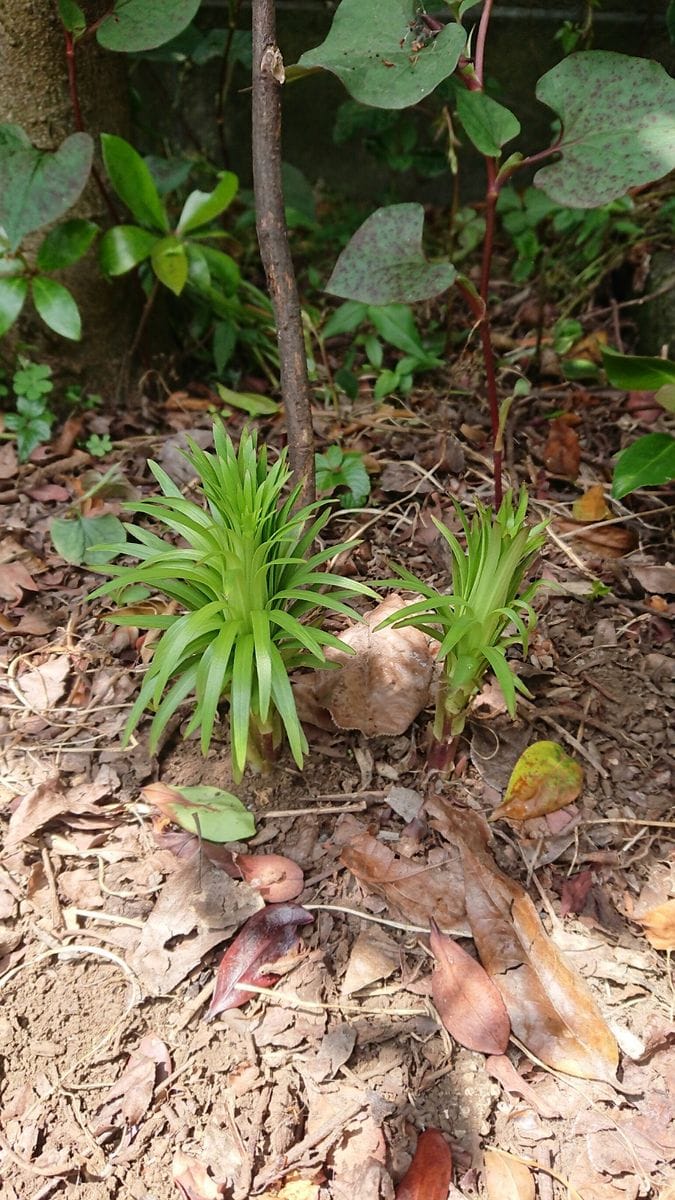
<point>325,1099</point>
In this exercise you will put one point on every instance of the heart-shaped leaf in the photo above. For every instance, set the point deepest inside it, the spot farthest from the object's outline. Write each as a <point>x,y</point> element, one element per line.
<point>38,186</point>
<point>618,117</point>
<point>543,780</point>
<point>384,55</point>
<point>384,262</point>
<point>134,25</point>
<point>73,539</point>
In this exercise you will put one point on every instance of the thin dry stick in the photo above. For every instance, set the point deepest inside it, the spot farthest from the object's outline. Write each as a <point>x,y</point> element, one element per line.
<point>268,75</point>
<point>325,1006</point>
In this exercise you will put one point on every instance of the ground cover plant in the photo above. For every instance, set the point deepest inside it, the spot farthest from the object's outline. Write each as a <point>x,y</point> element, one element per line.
<point>311,886</point>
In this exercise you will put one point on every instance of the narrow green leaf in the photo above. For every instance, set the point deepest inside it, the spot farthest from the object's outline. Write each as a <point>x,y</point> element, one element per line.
<point>260,627</point>
<point>202,207</point>
<point>346,318</point>
<point>12,295</point>
<point>66,244</point>
<point>648,462</point>
<point>57,307</point>
<point>489,124</point>
<point>131,179</point>
<point>249,402</point>
<point>240,704</point>
<point>170,264</point>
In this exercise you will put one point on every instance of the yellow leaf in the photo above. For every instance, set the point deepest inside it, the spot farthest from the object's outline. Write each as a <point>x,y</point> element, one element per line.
<point>543,780</point>
<point>591,506</point>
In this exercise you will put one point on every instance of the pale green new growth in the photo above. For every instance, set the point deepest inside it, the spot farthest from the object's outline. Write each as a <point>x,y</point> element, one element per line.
<point>246,583</point>
<point>472,623</point>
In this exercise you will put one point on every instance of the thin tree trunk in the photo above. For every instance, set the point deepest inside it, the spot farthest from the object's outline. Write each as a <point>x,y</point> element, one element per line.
<point>268,74</point>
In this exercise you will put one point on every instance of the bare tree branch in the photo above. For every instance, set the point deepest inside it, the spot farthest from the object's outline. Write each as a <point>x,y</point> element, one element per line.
<point>268,75</point>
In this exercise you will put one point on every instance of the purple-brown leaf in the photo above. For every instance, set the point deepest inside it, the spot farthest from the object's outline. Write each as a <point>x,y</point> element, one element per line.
<point>468,1002</point>
<point>276,878</point>
<point>265,937</point>
<point>430,1172</point>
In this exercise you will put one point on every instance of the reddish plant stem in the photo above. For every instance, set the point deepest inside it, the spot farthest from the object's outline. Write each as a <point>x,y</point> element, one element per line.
<point>73,90</point>
<point>478,307</point>
<point>479,60</point>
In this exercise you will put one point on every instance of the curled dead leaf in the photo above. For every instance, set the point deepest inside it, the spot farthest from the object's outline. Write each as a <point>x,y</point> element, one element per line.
<point>384,684</point>
<point>276,878</point>
<point>592,506</point>
<point>264,938</point>
<point>562,452</point>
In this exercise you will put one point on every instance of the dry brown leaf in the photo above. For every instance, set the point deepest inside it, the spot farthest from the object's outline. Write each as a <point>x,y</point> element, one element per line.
<point>276,878</point>
<point>44,687</point>
<point>14,580</point>
<point>654,578</point>
<point>414,891</point>
<point>659,925</point>
<point>500,1067</point>
<point>375,955</point>
<point>551,1008</point>
<point>385,683</point>
<point>467,1001</point>
<point>609,541</point>
<point>130,1096</point>
<point>192,1179</point>
<point>592,506</point>
<point>47,801</point>
<point>506,1178</point>
<point>9,462</point>
<point>562,452</point>
<point>430,1172</point>
<point>198,907</point>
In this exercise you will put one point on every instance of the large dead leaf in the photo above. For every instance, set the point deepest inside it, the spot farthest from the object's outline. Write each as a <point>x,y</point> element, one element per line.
<point>383,685</point>
<point>429,1175</point>
<point>49,800</point>
<point>415,891</point>
<point>506,1178</point>
<point>607,541</point>
<point>198,907</point>
<point>551,1009</point>
<point>543,780</point>
<point>44,687</point>
<point>550,1006</point>
<point>466,999</point>
<point>265,937</point>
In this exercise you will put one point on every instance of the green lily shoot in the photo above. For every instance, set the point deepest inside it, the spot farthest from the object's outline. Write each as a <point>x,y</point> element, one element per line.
<point>486,611</point>
<point>248,591</point>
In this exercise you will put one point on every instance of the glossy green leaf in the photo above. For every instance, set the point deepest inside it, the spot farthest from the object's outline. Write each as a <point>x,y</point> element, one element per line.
<point>200,208</point>
<point>65,244</point>
<point>648,462</point>
<point>72,18</point>
<point>39,186</point>
<point>57,307</point>
<point>12,295</point>
<point>384,262</point>
<point>131,179</point>
<point>223,270</point>
<point>489,124</point>
<point>170,264</point>
<point>73,538</point>
<point>124,247</point>
<point>637,372</point>
<point>618,118</point>
<point>134,25</point>
<point>370,49</point>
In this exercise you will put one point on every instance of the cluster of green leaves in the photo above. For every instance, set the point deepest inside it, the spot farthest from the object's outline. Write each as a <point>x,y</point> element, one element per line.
<point>342,472</point>
<point>650,460</point>
<point>393,324</point>
<point>400,140</point>
<point>472,624</point>
<point>37,188</point>
<point>31,423</point>
<point>250,590</point>
<point>572,240</point>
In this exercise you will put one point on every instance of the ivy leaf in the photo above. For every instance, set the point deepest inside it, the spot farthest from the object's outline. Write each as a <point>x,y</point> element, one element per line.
<point>489,124</point>
<point>648,462</point>
<point>618,117</point>
<point>57,307</point>
<point>370,49</point>
<point>384,262</point>
<point>73,538</point>
<point>38,186</point>
<point>134,25</point>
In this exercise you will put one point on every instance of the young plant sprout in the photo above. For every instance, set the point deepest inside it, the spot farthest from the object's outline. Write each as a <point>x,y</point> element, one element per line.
<point>473,623</point>
<point>247,588</point>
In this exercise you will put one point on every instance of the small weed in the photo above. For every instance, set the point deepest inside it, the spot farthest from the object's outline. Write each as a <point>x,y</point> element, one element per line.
<point>344,472</point>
